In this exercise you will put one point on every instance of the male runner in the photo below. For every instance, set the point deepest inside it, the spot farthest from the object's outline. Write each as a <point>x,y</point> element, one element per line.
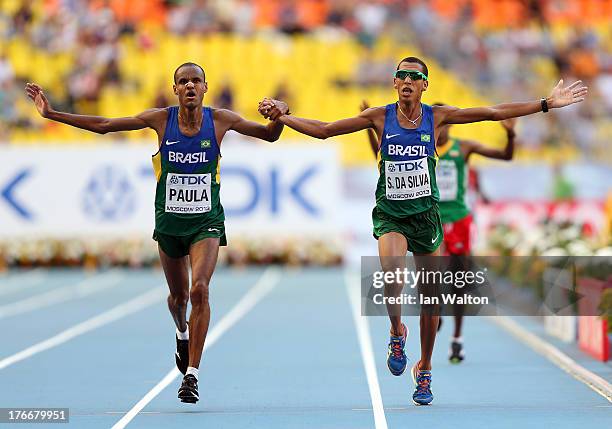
<point>452,179</point>
<point>189,218</point>
<point>406,216</point>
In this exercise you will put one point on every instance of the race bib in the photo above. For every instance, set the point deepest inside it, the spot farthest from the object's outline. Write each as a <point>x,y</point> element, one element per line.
<point>406,180</point>
<point>446,178</point>
<point>188,193</point>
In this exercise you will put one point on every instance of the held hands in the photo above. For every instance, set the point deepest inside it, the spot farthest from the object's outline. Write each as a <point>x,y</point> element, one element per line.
<point>272,109</point>
<point>561,97</point>
<point>36,94</point>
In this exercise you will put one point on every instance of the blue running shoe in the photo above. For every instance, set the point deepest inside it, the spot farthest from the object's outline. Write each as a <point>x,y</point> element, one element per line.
<point>396,357</point>
<point>422,380</point>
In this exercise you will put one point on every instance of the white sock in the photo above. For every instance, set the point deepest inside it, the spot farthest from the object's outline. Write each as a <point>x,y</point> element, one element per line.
<point>182,335</point>
<point>458,340</point>
<point>193,371</point>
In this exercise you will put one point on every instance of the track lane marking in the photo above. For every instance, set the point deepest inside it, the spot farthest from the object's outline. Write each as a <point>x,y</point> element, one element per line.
<point>264,286</point>
<point>118,312</point>
<point>80,289</point>
<point>353,286</point>
<point>556,356</point>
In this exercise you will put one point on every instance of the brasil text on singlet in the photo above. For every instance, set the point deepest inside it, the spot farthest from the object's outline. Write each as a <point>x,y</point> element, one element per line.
<point>187,171</point>
<point>407,181</point>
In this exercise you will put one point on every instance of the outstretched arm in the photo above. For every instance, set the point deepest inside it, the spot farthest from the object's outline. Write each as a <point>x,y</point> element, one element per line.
<point>560,97</point>
<point>371,134</point>
<point>506,153</point>
<point>233,121</point>
<point>96,124</point>
<point>321,130</point>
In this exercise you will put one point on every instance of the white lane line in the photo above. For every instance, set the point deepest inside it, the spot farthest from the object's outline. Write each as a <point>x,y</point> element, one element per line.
<point>353,287</point>
<point>264,285</point>
<point>556,356</point>
<point>83,288</point>
<point>22,281</point>
<point>136,304</point>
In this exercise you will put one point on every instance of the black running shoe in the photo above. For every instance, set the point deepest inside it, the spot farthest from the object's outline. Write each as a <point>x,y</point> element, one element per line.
<point>456,352</point>
<point>188,391</point>
<point>182,355</point>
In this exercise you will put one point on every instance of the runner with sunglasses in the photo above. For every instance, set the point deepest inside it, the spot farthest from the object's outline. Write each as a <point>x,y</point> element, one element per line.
<point>406,216</point>
<point>452,179</point>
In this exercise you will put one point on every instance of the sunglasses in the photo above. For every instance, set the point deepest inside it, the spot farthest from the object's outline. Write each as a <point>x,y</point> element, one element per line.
<point>413,74</point>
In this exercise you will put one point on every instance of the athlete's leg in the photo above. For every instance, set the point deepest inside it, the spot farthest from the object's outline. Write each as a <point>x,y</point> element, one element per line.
<point>203,255</point>
<point>458,262</point>
<point>392,249</point>
<point>459,246</point>
<point>430,314</point>
<point>176,271</point>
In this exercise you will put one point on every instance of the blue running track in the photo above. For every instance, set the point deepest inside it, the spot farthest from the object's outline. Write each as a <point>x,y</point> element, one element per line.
<point>292,360</point>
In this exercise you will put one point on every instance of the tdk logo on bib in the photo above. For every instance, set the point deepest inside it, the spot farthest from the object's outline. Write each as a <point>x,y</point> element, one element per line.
<point>189,179</point>
<point>396,149</point>
<point>406,166</point>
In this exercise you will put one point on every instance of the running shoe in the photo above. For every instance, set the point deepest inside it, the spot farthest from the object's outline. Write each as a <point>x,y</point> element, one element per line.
<point>188,391</point>
<point>422,380</point>
<point>456,354</point>
<point>181,356</point>
<point>396,357</point>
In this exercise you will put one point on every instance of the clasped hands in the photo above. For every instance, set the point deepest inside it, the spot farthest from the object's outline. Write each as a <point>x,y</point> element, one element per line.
<point>272,109</point>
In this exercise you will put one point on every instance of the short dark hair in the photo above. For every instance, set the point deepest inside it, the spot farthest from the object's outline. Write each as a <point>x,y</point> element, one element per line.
<point>188,65</point>
<point>415,60</point>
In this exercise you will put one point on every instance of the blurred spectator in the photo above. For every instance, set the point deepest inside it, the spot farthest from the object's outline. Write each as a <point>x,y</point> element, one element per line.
<point>288,18</point>
<point>192,17</point>
<point>111,75</point>
<point>161,98</point>
<point>56,33</point>
<point>6,71</point>
<point>371,17</point>
<point>562,188</point>
<point>225,98</point>
<point>242,16</point>
<point>7,111</point>
<point>283,93</point>
<point>22,18</point>
<point>84,87</point>
<point>603,84</point>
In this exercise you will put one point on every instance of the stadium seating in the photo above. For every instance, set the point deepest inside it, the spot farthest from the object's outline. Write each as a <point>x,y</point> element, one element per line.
<point>254,67</point>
